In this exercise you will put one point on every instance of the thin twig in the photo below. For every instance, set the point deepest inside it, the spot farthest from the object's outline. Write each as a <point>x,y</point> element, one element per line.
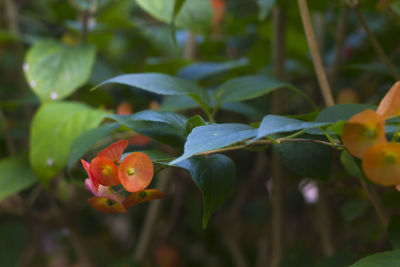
<point>81,248</point>
<point>85,16</point>
<point>324,224</point>
<point>189,50</point>
<point>339,44</point>
<point>7,135</point>
<point>268,142</point>
<point>278,64</point>
<point>376,203</point>
<point>235,250</point>
<point>322,212</point>
<point>374,41</point>
<point>316,57</point>
<point>231,238</point>
<point>12,17</point>
<point>151,217</point>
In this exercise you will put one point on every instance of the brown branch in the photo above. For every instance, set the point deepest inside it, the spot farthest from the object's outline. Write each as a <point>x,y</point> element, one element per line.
<point>7,135</point>
<point>278,64</point>
<point>374,41</point>
<point>11,14</point>
<point>85,17</point>
<point>340,37</point>
<point>322,211</point>
<point>316,57</point>
<point>189,50</point>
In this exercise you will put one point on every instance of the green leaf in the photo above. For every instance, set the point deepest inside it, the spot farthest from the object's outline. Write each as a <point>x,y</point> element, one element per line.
<point>165,127</point>
<point>336,113</point>
<point>16,175</point>
<point>194,15</point>
<point>243,109</point>
<point>383,259</point>
<point>215,177</point>
<point>245,88</point>
<point>203,70</point>
<point>265,7</point>
<point>194,122</point>
<point>164,85</point>
<point>272,124</point>
<point>54,71</point>
<point>155,156</point>
<point>14,237</point>
<point>173,119</point>
<point>177,8</point>
<point>341,112</point>
<point>214,136</point>
<point>177,103</point>
<point>353,209</point>
<point>87,140</point>
<point>306,159</point>
<point>394,231</point>
<point>351,164</point>
<point>54,129</point>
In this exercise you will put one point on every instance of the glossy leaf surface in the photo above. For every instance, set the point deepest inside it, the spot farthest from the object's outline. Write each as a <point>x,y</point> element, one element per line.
<point>55,127</point>
<point>54,70</point>
<point>215,177</point>
<point>16,175</point>
<point>214,136</point>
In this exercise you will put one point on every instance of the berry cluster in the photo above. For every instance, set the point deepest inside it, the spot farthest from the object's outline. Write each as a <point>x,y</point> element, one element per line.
<point>364,137</point>
<point>134,173</point>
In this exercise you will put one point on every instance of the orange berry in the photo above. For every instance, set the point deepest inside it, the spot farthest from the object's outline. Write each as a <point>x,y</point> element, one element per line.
<point>104,171</point>
<point>125,108</point>
<point>106,205</point>
<point>142,196</point>
<point>135,172</point>
<point>381,163</point>
<point>362,131</point>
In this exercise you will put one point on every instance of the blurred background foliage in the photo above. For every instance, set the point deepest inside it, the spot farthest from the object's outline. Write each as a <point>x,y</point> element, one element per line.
<point>327,221</point>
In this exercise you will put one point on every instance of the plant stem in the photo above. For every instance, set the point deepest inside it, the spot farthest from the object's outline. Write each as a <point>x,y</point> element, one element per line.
<point>374,41</point>
<point>7,135</point>
<point>151,217</point>
<point>234,249</point>
<point>324,222</point>
<point>278,64</point>
<point>12,17</point>
<point>316,57</point>
<point>376,203</point>
<point>85,16</point>
<point>322,211</point>
<point>80,247</point>
<point>189,51</point>
<point>231,238</point>
<point>339,44</point>
<point>268,142</point>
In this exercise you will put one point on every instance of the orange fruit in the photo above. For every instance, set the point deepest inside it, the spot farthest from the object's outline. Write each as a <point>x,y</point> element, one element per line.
<point>362,131</point>
<point>104,171</point>
<point>381,163</point>
<point>136,172</point>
